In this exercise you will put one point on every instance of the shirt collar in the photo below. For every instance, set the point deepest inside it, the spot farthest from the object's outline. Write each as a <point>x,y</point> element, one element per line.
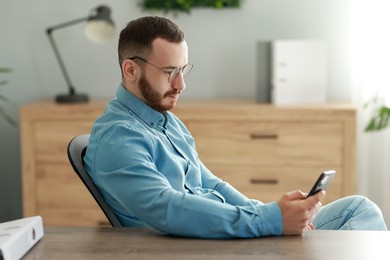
<point>150,116</point>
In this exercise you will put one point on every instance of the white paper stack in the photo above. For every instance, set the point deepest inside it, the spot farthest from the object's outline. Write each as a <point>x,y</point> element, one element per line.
<point>19,236</point>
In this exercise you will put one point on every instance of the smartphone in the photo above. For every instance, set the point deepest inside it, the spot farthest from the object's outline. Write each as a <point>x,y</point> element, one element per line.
<point>322,182</point>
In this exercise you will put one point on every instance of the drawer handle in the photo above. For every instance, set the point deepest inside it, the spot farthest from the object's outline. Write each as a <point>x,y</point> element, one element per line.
<point>264,136</point>
<point>264,181</point>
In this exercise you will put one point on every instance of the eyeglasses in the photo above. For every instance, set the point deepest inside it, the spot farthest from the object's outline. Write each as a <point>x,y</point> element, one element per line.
<point>173,72</point>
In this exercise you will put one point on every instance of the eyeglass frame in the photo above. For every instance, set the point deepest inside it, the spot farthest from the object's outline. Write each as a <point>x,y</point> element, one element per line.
<point>173,71</point>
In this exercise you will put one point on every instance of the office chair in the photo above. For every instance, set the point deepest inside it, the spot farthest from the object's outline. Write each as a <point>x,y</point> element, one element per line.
<point>76,151</point>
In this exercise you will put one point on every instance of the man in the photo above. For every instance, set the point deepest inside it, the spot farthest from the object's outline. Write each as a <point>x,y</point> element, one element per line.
<point>143,159</point>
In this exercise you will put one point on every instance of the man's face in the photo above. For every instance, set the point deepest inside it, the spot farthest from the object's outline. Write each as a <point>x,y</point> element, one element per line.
<point>153,83</point>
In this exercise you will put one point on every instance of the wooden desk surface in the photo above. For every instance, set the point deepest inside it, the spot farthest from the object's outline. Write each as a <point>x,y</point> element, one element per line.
<point>134,243</point>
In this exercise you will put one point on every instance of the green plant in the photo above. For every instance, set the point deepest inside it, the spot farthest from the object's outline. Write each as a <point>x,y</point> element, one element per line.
<point>4,99</point>
<point>380,117</point>
<point>186,5</point>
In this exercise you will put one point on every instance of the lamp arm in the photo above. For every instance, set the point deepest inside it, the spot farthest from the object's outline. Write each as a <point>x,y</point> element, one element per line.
<point>57,53</point>
<point>62,25</point>
<point>60,62</point>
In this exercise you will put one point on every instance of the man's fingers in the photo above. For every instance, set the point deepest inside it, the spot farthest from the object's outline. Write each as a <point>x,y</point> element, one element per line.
<point>316,198</point>
<point>310,226</point>
<point>295,195</point>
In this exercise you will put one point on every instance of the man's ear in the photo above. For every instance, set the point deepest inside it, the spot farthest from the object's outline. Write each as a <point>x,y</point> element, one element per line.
<point>130,70</point>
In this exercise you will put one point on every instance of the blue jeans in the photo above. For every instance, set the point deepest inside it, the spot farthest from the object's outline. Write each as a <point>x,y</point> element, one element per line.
<point>350,213</point>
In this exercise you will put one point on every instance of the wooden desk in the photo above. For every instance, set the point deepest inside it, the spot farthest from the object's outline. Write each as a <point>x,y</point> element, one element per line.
<point>134,243</point>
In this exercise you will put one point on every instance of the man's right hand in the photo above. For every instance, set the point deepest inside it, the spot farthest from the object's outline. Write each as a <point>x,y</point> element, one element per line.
<point>299,211</point>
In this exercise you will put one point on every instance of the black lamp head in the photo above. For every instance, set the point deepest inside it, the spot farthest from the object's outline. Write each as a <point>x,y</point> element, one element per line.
<point>101,12</point>
<point>100,27</point>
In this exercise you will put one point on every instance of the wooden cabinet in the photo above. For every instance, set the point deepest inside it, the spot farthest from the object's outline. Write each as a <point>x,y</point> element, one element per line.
<point>50,186</point>
<point>262,150</point>
<point>265,151</point>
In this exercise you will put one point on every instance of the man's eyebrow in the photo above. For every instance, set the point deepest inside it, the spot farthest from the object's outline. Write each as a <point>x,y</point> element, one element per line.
<point>170,68</point>
<point>173,67</point>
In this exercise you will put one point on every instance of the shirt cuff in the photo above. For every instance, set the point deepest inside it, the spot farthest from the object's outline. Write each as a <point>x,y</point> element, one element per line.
<point>271,220</point>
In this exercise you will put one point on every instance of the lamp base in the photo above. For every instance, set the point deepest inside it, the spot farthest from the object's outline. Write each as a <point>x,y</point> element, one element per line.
<point>72,98</point>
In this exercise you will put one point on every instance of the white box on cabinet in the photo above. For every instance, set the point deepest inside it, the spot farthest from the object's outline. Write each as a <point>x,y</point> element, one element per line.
<point>299,72</point>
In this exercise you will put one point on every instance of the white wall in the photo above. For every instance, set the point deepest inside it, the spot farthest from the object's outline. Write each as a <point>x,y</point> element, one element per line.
<point>370,40</point>
<point>222,48</point>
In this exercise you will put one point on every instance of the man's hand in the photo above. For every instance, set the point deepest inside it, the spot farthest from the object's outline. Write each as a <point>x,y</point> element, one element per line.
<point>299,211</point>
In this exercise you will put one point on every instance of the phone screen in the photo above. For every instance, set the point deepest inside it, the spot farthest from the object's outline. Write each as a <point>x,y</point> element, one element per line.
<point>322,182</point>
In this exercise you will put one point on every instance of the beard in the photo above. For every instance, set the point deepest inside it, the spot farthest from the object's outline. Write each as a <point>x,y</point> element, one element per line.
<point>154,98</point>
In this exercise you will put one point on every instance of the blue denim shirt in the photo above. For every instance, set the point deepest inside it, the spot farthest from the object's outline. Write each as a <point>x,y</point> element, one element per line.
<point>147,168</point>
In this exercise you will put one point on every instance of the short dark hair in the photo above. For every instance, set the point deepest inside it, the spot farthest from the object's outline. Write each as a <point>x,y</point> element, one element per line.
<point>137,37</point>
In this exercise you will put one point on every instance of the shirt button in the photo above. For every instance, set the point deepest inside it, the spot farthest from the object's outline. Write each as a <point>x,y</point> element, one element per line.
<point>152,124</point>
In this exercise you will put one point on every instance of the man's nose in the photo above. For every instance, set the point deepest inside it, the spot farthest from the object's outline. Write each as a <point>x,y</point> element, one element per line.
<point>179,83</point>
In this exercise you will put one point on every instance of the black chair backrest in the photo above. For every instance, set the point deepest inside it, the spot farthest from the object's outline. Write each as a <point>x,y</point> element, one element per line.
<point>76,151</point>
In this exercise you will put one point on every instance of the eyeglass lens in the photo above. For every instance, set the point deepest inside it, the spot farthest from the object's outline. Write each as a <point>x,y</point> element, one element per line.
<point>185,70</point>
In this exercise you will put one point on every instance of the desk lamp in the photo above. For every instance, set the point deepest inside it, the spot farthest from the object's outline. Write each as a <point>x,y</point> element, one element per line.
<point>99,29</point>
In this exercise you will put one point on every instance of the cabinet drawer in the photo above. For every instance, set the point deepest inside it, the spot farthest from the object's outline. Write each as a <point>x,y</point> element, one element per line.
<point>60,191</point>
<point>268,184</point>
<point>269,143</point>
<point>52,139</point>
